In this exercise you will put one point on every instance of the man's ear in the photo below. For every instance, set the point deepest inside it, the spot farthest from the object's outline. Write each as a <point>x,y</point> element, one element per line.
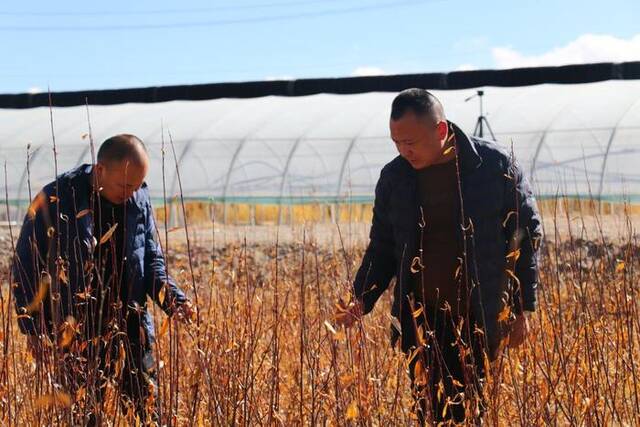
<point>98,170</point>
<point>443,130</point>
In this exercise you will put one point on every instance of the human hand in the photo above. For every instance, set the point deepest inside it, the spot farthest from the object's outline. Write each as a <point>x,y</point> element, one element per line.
<point>347,314</point>
<point>519,330</point>
<point>37,347</point>
<point>186,312</point>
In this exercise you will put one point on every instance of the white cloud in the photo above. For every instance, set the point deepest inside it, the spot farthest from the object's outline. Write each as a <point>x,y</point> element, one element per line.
<point>273,78</point>
<point>585,49</point>
<point>33,90</point>
<point>466,67</point>
<point>367,71</point>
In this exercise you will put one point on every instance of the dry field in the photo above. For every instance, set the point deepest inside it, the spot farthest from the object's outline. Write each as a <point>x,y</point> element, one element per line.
<point>267,351</point>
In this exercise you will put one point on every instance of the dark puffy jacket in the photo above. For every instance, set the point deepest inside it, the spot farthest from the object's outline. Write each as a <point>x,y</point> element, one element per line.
<point>144,259</point>
<point>496,202</point>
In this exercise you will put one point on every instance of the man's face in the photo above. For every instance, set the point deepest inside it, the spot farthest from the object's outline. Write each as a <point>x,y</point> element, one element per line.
<point>119,180</point>
<point>418,139</point>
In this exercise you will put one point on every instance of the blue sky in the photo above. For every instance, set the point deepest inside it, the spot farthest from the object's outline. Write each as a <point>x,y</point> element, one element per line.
<point>74,45</point>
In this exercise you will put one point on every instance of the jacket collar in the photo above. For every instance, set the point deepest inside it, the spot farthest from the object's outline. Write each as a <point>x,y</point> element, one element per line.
<point>467,152</point>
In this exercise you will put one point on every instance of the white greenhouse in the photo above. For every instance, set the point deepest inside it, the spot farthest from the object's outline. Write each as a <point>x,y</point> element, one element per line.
<point>578,140</point>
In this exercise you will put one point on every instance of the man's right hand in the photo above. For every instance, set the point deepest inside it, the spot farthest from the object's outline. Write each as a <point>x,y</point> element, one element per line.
<point>347,314</point>
<point>33,345</point>
<point>186,312</point>
<point>38,347</point>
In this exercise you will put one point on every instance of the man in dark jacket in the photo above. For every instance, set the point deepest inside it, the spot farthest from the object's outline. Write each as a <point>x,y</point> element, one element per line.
<point>85,262</point>
<point>455,221</point>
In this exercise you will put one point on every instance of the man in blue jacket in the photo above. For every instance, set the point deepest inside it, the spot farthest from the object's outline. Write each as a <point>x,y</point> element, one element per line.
<point>86,260</point>
<point>455,222</point>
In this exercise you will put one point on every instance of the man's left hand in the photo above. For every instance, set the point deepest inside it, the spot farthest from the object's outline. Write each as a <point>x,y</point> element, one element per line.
<point>519,330</point>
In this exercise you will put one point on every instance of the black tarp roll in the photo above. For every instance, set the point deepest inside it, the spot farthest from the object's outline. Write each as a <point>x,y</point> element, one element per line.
<point>568,74</point>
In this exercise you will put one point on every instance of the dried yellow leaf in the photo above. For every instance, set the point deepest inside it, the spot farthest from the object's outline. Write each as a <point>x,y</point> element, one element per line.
<point>83,213</point>
<point>418,312</point>
<point>352,411</point>
<point>37,204</point>
<point>105,238</point>
<point>43,288</point>
<point>504,314</point>
<point>420,335</point>
<point>122,354</point>
<point>81,393</point>
<point>419,373</point>
<point>446,407</point>
<point>68,332</point>
<point>62,275</point>
<point>164,328</point>
<point>162,293</point>
<point>414,354</point>
<point>57,398</point>
<point>514,254</point>
<point>347,379</point>
<point>340,336</point>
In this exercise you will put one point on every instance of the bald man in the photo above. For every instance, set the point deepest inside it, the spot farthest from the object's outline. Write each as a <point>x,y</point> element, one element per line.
<point>86,260</point>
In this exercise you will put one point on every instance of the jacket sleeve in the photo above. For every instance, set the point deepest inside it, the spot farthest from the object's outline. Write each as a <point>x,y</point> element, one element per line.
<point>30,257</point>
<point>378,264</point>
<point>524,229</point>
<point>155,271</point>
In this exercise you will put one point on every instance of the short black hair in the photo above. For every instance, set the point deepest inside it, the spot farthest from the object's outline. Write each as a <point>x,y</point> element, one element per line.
<point>420,101</point>
<point>119,148</point>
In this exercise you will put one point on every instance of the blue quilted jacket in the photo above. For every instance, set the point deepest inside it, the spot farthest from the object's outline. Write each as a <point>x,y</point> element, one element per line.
<point>57,237</point>
<point>501,224</point>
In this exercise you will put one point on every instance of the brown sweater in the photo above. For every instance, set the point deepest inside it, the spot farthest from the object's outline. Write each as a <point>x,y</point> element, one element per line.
<point>439,198</point>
